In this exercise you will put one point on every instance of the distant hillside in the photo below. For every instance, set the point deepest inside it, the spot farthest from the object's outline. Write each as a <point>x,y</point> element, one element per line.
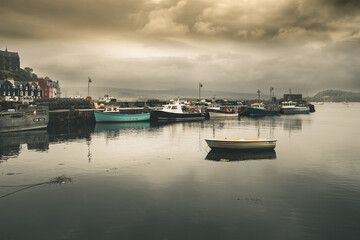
<point>335,96</point>
<point>133,94</point>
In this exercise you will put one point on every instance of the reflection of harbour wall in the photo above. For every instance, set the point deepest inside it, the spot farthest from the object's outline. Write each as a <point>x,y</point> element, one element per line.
<point>68,132</point>
<point>39,140</point>
<point>10,143</point>
<point>9,151</point>
<point>24,137</point>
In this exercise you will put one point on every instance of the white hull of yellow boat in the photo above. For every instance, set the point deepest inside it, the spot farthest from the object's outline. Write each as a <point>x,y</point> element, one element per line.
<point>223,115</point>
<point>241,143</point>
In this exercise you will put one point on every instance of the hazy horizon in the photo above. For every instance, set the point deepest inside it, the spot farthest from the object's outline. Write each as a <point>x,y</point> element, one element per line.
<point>229,46</point>
<point>137,94</point>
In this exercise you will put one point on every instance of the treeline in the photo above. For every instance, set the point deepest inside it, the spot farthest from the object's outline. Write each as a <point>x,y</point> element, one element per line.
<point>25,74</point>
<point>335,96</point>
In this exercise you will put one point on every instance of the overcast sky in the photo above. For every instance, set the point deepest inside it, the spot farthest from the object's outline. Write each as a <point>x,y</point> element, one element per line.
<point>228,45</point>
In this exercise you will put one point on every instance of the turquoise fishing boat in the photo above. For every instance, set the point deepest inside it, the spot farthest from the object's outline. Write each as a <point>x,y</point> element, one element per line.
<point>116,117</point>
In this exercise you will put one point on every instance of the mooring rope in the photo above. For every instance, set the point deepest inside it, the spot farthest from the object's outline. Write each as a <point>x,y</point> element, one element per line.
<point>57,180</point>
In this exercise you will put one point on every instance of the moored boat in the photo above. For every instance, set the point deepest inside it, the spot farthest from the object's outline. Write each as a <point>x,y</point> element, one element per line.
<point>175,112</point>
<point>241,143</point>
<point>115,117</point>
<point>111,114</point>
<point>221,112</point>
<point>28,118</point>
<point>259,109</point>
<point>291,107</point>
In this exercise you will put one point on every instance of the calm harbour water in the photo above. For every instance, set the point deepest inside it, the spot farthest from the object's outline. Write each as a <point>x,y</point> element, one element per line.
<point>139,181</point>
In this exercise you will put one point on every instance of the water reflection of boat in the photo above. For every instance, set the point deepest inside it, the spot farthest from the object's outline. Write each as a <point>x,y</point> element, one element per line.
<point>292,124</point>
<point>100,127</point>
<point>227,156</point>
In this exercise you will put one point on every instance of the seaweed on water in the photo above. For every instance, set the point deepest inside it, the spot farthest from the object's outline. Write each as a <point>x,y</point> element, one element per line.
<point>60,180</point>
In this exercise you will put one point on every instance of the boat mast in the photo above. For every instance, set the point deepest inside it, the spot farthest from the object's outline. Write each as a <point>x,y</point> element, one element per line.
<point>200,86</point>
<point>271,90</point>
<point>290,95</point>
<point>89,81</point>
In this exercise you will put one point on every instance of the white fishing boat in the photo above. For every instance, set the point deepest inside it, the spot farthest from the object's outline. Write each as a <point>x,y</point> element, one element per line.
<point>241,143</point>
<point>176,111</point>
<point>291,107</point>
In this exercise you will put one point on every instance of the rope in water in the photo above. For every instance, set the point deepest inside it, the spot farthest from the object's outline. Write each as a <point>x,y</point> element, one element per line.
<point>57,180</point>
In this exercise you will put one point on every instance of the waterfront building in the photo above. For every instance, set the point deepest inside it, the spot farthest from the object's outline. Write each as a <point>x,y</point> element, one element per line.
<point>9,61</point>
<point>51,89</point>
<point>19,90</point>
<point>293,97</point>
<point>58,90</point>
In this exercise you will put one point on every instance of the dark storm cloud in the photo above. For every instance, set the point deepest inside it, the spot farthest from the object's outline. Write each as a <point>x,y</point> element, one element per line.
<point>238,45</point>
<point>64,19</point>
<point>239,20</point>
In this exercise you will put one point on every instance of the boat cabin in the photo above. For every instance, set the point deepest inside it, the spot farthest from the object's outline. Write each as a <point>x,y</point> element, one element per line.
<point>175,107</point>
<point>289,104</point>
<point>258,105</point>
<point>111,109</point>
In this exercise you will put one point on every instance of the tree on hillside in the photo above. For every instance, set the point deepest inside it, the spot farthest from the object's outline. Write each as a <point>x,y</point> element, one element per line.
<point>28,70</point>
<point>20,75</point>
